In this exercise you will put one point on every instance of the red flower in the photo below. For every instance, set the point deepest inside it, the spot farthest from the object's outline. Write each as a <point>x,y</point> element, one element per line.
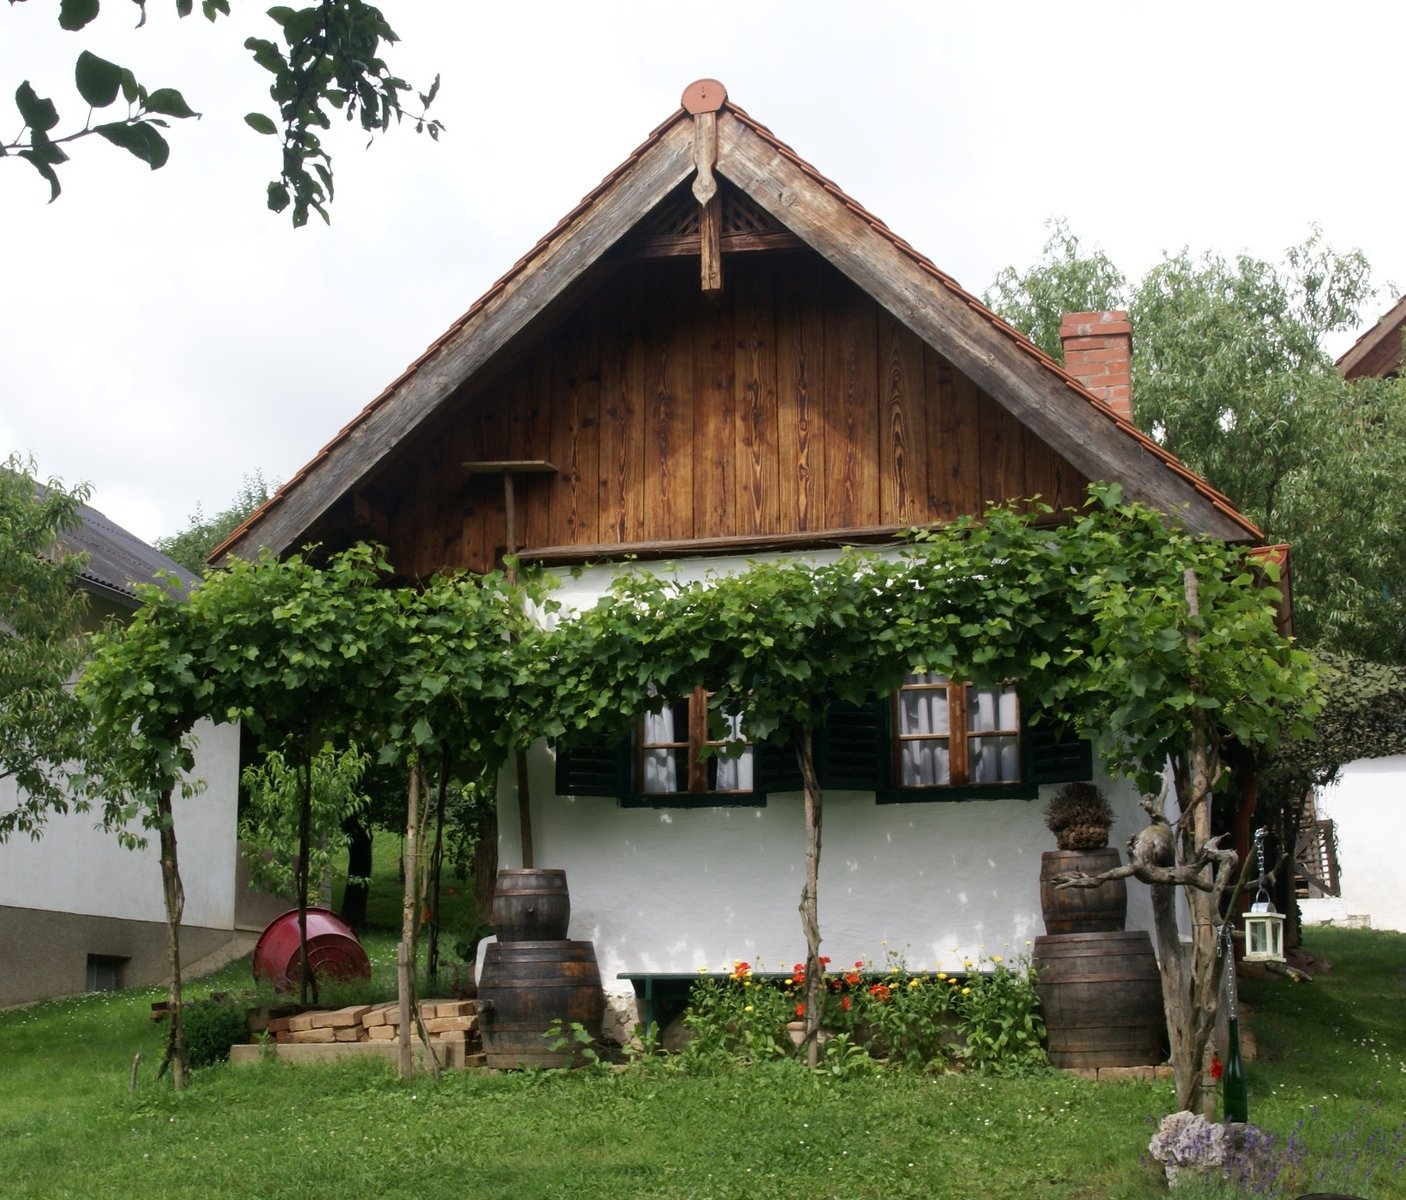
<point>852,979</point>
<point>881,992</point>
<point>845,1003</point>
<point>824,960</point>
<point>800,1010</point>
<point>1217,1067</point>
<point>858,963</point>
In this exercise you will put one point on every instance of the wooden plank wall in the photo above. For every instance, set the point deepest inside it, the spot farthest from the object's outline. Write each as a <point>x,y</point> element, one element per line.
<point>791,403</point>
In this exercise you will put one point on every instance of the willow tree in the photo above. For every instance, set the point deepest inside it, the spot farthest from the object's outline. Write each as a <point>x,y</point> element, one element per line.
<point>1089,614</point>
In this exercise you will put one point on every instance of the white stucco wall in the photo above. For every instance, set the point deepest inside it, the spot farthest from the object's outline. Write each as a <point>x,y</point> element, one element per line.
<point>674,890</point>
<point>1368,806</point>
<point>678,889</point>
<point>77,868</point>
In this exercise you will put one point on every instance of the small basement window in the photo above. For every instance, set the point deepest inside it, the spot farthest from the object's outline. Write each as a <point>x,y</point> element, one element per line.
<point>105,973</point>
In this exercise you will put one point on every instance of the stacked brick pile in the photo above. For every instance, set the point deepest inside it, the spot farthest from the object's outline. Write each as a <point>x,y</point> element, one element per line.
<point>452,1026</point>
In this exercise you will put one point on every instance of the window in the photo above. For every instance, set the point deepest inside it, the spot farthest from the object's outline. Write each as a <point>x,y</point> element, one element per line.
<point>670,745</point>
<point>933,740</point>
<point>104,973</point>
<point>948,734</point>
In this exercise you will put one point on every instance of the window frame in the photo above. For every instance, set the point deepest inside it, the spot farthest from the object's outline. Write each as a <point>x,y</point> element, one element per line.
<point>695,740</point>
<point>958,736</point>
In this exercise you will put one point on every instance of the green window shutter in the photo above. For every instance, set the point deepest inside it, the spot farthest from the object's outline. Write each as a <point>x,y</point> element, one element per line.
<point>854,746</point>
<point>594,769</point>
<point>776,769</point>
<point>1053,752</point>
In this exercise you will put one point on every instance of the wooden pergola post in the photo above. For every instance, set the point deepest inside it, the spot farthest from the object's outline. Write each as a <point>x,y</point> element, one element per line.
<point>508,468</point>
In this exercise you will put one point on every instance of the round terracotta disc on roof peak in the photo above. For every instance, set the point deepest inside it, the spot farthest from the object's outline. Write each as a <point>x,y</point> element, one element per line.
<point>704,96</point>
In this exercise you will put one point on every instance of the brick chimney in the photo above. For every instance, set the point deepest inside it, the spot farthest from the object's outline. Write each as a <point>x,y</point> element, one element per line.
<point>1098,352</point>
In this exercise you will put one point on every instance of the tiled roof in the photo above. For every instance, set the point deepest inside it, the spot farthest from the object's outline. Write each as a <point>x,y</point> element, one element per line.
<point>117,560</point>
<point>1379,351</point>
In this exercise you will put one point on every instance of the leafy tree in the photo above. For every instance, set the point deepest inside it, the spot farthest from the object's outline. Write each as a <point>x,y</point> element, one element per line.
<point>1229,373</point>
<point>303,652</point>
<point>329,59</point>
<point>269,824</point>
<point>41,646</point>
<point>192,546</point>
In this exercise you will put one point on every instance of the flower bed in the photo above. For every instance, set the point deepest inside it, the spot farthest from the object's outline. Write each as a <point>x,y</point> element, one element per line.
<point>985,1018</point>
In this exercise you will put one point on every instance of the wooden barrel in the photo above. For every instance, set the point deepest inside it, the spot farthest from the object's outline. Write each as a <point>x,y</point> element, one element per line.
<point>1082,910</point>
<point>1102,999</point>
<point>524,987</point>
<point>531,905</point>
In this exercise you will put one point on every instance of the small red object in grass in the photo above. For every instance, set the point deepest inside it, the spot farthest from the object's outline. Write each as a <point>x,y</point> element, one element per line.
<point>1217,1067</point>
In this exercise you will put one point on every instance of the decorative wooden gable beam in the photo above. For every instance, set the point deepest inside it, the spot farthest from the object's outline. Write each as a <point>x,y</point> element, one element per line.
<point>703,99</point>
<point>1032,393</point>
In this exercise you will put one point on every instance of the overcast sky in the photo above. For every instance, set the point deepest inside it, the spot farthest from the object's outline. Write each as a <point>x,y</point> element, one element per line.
<point>162,334</point>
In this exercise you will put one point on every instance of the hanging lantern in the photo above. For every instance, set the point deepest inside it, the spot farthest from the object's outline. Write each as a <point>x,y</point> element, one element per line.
<point>1264,927</point>
<point>1264,932</point>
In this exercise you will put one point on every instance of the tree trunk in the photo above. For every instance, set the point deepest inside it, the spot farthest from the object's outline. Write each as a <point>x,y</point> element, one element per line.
<point>436,864</point>
<point>174,895</point>
<point>810,894</point>
<point>1191,989</point>
<point>359,865</point>
<point>306,978</point>
<point>405,973</point>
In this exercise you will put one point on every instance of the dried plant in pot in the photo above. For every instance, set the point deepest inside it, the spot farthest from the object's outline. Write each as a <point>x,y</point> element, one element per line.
<point>1080,817</point>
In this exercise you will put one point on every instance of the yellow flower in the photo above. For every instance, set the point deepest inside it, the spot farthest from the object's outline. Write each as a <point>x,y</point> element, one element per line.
<point>749,970</point>
<point>996,958</point>
<point>942,974</point>
<point>746,1008</point>
<point>912,983</point>
<point>746,983</point>
<point>966,991</point>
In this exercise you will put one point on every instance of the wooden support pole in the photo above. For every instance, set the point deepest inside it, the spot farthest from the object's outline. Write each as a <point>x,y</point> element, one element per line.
<point>508,469</point>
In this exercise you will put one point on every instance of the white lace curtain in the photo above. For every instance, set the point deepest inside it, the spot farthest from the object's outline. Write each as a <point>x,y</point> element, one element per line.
<point>925,758</point>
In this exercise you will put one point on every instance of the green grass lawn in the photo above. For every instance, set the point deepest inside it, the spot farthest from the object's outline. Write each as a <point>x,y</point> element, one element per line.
<point>1332,1074</point>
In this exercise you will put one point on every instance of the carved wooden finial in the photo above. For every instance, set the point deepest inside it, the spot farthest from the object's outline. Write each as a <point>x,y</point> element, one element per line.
<point>703,98</point>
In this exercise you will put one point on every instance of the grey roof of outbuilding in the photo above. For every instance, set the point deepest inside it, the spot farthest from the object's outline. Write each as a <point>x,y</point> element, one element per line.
<point>117,560</point>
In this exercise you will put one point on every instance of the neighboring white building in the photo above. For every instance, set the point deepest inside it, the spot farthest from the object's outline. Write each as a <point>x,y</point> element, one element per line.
<point>1369,816</point>
<point>1366,803</point>
<point>77,911</point>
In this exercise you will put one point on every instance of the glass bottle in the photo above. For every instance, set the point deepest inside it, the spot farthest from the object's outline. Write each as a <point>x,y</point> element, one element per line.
<point>1235,1094</point>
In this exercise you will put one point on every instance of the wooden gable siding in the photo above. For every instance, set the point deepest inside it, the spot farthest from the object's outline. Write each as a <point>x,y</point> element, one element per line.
<point>791,404</point>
